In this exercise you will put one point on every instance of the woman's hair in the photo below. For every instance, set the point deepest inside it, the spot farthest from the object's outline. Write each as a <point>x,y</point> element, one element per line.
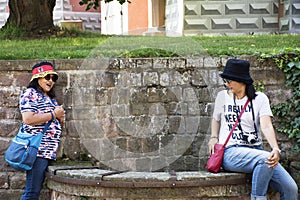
<point>250,91</point>
<point>34,83</point>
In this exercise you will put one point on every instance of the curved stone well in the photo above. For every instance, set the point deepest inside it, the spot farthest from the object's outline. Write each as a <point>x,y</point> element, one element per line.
<point>95,184</point>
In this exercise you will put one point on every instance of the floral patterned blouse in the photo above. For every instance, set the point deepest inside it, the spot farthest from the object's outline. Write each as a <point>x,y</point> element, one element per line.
<point>34,101</point>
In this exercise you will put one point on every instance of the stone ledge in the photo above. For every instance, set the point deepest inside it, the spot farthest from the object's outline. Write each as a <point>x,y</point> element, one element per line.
<point>94,183</point>
<point>105,178</point>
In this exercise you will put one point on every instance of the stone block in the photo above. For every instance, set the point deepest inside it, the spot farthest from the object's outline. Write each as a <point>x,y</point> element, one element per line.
<point>150,78</point>
<point>11,194</point>
<point>119,110</point>
<point>106,79</point>
<point>128,63</point>
<point>197,79</point>
<point>9,98</point>
<point>4,143</point>
<point>8,113</point>
<point>17,180</point>
<point>74,148</point>
<point>164,79</point>
<point>61,83</point>
<point>143,164</point>
<point>161,63</point>
<point>175,63</point>
<point>204,124</point>
<point>146,63</point>
<point>6,79</point>
<point>4,184</point>
<point>192,124</point>
<point>9,128</point>
<point>204,94</point>
<point>176,125</point>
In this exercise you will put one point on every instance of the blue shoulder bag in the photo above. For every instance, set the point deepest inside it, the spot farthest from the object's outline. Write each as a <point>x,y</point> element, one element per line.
<point>22,151</point>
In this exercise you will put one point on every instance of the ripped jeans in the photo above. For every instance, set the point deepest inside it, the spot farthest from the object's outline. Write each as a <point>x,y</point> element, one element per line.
<point>252,160</point>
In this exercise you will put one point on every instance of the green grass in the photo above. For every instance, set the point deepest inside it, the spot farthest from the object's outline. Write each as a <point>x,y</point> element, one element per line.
<point>87,44</point>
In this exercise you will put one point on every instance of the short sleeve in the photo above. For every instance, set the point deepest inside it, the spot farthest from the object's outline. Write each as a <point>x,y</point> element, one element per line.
<point>28,101</point>
<point>264,105</point>
<point>219,104</point>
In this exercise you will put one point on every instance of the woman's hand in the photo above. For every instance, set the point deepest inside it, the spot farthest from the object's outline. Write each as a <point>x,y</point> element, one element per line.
<point>273,159</point>
<point>59,113</point>
<point>211,144</point>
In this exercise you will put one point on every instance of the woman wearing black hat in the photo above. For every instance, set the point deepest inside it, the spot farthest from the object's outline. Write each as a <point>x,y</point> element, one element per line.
<point>38,106</point>
<point>244,150</point>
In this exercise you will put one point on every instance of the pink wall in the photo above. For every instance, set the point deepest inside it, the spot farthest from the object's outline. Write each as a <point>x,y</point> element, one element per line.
<point>138,15</point>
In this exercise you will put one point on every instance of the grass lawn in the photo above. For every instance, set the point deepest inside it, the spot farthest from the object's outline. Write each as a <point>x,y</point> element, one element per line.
<point>96,45</point>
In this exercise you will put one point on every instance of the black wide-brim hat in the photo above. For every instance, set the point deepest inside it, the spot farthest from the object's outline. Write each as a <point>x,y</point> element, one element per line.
<point>237,70</point>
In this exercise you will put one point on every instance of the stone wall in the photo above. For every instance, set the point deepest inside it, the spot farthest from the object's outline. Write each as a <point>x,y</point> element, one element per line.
<point>149,114</point>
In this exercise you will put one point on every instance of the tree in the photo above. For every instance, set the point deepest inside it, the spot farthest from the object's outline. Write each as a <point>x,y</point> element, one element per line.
<point>36,16</point>
<point>33,16</point>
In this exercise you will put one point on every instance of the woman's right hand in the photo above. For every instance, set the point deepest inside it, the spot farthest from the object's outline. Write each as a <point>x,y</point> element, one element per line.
<point>211,144</point>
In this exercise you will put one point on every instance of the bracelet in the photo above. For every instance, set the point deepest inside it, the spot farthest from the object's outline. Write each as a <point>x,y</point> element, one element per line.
<point>276,149</point>
<point>214,137</point>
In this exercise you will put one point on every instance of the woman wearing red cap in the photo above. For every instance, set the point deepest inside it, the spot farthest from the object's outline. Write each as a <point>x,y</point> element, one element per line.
<point>38,106</point>
<point>243,151</point>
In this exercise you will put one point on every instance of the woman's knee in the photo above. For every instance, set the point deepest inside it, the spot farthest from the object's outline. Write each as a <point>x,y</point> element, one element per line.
<point>292,188</point>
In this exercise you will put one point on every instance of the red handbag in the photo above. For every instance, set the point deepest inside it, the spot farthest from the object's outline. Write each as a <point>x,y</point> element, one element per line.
<point>214,162</point>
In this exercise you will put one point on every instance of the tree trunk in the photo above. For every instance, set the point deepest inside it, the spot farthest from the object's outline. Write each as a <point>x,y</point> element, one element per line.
<point>34,16</point>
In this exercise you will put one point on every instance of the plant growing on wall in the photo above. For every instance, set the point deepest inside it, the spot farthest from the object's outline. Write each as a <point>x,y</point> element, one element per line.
<point>288,113</point>
<point>96,3</point>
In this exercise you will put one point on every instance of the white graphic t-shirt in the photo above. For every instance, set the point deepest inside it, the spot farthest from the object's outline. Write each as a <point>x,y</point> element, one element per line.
<point>226,111</point>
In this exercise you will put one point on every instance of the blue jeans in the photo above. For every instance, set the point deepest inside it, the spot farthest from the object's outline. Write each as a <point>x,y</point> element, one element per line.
<point>252,160</point>
<point>35,179</point>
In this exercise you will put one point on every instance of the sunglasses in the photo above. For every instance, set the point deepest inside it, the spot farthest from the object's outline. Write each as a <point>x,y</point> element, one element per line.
<point>226,80</point>
<point>53,77</point>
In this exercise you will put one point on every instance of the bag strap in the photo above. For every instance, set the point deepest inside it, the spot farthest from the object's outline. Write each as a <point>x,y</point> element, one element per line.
<point>253,116</point>
<point>236,122</point>
<point>49,122</point>
<point>47,125</point>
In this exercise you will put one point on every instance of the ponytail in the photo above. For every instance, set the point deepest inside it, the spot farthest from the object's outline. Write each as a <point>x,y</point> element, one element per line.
<point>250,91</point>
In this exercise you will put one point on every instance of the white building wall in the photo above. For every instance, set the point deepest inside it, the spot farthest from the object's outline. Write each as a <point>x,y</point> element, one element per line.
<point>174,18</point>
<point>3,12</point>
<point>114,18</point>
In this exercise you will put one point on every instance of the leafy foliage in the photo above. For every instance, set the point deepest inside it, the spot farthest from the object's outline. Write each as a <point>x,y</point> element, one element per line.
<point>148,52</point>
<point>288,113</point>
<point>96,3</point>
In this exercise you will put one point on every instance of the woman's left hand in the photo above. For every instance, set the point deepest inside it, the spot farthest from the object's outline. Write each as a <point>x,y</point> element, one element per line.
<point>59,113</point>
<point>273,159</point>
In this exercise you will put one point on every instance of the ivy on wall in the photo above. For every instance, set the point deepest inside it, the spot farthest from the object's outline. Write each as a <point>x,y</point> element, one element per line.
<point>288,112</point>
